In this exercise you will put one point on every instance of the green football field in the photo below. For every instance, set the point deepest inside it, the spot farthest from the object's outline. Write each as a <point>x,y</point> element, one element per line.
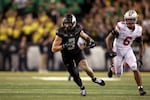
<point>55,86</point>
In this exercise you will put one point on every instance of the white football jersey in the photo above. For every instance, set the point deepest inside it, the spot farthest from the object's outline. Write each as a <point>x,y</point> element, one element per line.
<point>126,36</point>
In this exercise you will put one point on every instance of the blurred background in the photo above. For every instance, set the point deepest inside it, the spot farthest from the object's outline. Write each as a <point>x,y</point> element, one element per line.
<point>28,28</point>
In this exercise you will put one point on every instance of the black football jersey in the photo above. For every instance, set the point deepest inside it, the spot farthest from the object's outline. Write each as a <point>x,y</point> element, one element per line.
<point>70,37</point>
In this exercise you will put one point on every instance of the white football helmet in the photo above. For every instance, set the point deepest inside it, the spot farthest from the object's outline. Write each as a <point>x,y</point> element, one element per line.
<point>131,14</point>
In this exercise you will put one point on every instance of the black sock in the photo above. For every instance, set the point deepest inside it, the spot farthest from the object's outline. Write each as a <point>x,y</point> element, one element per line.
<point>93,79</point>
<point>82,87</point>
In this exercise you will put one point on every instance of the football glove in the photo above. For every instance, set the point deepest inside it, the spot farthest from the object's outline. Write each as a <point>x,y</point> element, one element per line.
<point>140,63</point>
<point>91,43</point>
<point>112,54</point>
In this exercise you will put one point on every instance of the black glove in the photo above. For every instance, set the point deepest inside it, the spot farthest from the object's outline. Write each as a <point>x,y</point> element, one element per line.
<point>91,44</point>
<point>112,54</point>
<point>140,63</point>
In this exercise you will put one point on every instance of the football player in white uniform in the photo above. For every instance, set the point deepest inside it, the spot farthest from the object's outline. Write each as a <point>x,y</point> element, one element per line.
<point>119,45</point>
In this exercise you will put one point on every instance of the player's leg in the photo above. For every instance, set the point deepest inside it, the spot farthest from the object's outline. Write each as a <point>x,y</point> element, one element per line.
<point>74,72</point>
<point>138,80</point>
<point>84,65</point>
<point>131,61</point>
<point>82,62</point>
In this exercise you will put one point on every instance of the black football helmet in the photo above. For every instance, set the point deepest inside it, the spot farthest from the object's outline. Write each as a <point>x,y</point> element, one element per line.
<point>69,21</point>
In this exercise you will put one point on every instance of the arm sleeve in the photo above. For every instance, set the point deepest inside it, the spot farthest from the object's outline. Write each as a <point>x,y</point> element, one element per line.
<point>138,39</point>
<point>114,33</point>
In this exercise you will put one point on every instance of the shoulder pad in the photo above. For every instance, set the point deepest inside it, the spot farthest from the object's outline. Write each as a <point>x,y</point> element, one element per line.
<point>78,28</point>
<point>60,32</point>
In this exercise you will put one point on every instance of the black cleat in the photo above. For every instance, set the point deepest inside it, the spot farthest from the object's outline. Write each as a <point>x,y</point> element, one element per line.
<point>110,73</point>
<point>98,81</point>
<point>83,91</point>
<point>142,92</point>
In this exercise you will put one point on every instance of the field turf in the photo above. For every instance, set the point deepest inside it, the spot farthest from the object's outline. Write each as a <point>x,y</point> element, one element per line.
<point>43,86</point>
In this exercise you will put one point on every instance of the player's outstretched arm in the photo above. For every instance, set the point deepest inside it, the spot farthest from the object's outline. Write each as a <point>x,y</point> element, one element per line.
<point>85,36</point>
<point>89,41</point>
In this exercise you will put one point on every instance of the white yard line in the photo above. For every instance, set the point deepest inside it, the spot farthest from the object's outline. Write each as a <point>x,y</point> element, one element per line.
<point>53,78</point>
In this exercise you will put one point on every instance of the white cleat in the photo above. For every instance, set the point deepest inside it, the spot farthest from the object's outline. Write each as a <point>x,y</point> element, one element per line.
<point>83,92</point>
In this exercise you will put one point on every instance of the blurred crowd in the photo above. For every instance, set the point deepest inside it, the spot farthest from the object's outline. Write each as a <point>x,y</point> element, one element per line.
<point>34,22</point>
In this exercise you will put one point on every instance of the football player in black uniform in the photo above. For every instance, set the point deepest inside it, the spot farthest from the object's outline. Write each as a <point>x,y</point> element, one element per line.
<point>66,41</point>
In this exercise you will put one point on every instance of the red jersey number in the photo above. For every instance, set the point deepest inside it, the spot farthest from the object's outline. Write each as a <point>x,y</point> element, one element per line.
<point>127,40</point>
